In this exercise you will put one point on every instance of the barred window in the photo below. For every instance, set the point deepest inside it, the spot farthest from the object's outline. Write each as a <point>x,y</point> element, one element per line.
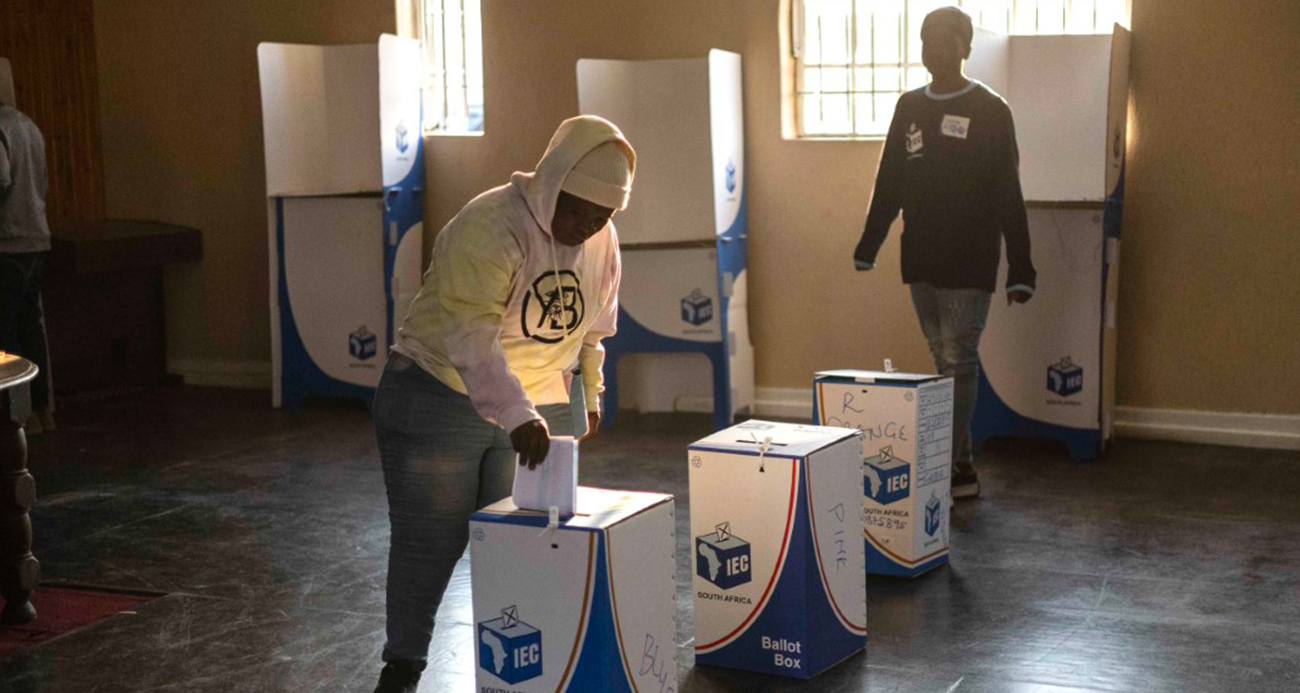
<point>451,32</point>
<point>853,58</point>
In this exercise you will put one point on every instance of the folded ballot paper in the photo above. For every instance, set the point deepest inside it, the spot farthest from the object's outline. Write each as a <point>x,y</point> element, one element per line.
<point>554,482</point>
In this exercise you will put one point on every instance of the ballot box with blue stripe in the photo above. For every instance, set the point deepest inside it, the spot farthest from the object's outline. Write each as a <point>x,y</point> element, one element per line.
<point>582,604</point>
<point>776,512</point>
<point>906,425</point>
<point>683,323</point>
<point>344,180</point>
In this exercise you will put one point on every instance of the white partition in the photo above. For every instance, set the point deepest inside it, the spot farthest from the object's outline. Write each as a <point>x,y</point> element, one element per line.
<point>342,134</point>
<point>339,119</point>
<point>662,106</point>
<point>320,111</point>
<point>1058,88</point>
<point>990,60</point>
<point>1048,365</point>
<point>683,232</point>
<point>1061,323</point>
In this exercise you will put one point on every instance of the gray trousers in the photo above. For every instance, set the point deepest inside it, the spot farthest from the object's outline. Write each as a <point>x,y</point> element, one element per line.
<point>441,463</point>
<point>953,320</point>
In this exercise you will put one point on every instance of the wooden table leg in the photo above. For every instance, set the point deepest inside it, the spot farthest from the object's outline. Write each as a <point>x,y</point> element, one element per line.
<point>19,569</point>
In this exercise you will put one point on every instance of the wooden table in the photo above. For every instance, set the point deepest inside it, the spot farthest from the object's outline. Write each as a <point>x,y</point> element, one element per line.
<point>103,300</point>
<point>19,569</point>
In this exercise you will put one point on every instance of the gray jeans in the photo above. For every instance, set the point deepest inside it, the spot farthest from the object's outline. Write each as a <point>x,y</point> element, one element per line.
<point>441,463</point>
<point>953,320</point>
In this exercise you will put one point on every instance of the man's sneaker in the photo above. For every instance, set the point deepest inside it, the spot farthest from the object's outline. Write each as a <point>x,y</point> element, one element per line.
<point>400,676</point>
<point>965,482</point>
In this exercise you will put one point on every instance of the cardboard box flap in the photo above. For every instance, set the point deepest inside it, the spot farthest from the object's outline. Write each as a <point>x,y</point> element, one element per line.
<point>877,376</point>
<point>788,440</point>
<point>597,508</point>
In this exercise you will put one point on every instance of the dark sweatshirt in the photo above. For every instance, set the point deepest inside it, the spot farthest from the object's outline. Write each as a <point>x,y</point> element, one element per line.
<point>951,164</point>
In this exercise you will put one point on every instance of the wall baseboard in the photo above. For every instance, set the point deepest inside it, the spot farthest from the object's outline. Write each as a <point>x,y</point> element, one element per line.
<point>1271,431</point>
<point>1232,429</point>
<point>243,375</point>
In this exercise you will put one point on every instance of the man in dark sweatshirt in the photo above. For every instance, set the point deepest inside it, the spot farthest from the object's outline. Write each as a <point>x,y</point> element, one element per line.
<point>951,165</point>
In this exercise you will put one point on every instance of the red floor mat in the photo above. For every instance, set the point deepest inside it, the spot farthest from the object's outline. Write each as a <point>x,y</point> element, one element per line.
<point>62,610</point>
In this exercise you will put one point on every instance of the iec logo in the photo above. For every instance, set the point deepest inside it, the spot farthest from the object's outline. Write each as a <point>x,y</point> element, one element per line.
<point>362,344</point>
<point>509,648</point>
<point>402,144</point>
<point>697,308</point>
<point>886,476</point>
<point>731,176</point>
<point>722,558</point>
<point>1064,378</point>
<point>933,514</point>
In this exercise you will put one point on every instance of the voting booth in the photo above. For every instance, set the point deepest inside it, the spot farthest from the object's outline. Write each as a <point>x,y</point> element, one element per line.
<point>906,425</point>
<point>586,604</point>
<point>344,181</point>
<point>683,234</point>
<point>776,516</point>
<point>1048,366</point>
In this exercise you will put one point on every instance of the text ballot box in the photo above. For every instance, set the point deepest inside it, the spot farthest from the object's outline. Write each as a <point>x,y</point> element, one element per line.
<point>906,424</point>
<point>586,604</point>
<point>778,571</point>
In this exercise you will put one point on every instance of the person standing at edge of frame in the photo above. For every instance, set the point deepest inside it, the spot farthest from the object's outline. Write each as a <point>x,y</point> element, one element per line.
<point>950,163</point>
<point>24,243</point>
<point>521,288</point>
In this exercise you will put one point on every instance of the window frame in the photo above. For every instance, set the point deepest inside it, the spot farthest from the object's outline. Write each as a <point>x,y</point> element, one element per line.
<point>447,103</point>
<point>800,94</point>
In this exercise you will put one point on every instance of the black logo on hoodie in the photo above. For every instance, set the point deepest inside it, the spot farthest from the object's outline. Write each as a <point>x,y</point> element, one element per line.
<point>551,311</point>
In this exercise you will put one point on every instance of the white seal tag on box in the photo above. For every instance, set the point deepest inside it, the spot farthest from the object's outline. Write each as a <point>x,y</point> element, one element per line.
<point>779,581</point>
<point>586,604</point>
<point>906,424</point>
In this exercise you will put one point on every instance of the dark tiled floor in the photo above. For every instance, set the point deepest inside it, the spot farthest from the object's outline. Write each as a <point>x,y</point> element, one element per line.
<point>1167,568</point>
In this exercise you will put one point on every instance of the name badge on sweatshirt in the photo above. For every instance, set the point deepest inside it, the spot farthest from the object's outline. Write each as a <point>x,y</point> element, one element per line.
<point>955,126</point>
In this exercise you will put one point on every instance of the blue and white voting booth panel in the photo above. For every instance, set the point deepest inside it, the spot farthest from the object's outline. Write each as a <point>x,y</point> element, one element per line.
<point>587,605</point>
<point>906,424</point>
<point>345,179</point>
<point>777,556</point>
<point>1048,366</point>
<point>683,234</point>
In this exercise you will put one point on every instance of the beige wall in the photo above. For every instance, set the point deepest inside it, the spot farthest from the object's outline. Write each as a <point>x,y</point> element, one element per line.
<point>1209,285</point>
<point>182,132</point>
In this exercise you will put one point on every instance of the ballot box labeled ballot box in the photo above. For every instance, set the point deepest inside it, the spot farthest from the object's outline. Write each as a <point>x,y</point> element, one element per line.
<point>583,604</point>
<point>906,425</point>
<point>779,583</point>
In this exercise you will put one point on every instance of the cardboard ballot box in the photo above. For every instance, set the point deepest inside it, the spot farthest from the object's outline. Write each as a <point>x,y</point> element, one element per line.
<point>906,424</point>
<point>586,604</point>
<point>779,583</point>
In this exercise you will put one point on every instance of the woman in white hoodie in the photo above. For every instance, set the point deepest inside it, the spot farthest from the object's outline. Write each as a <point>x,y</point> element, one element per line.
<point>521,288</point>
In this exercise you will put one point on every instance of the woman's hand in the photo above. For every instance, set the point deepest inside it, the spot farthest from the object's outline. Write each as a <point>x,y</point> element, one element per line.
<point>593,423</point>
<point>532,441</point>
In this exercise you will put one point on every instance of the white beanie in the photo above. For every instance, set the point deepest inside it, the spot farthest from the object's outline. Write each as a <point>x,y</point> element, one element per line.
<point>603,176</point>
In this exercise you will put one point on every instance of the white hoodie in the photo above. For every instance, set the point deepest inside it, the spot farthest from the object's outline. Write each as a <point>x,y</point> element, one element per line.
<point>487,322</point>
